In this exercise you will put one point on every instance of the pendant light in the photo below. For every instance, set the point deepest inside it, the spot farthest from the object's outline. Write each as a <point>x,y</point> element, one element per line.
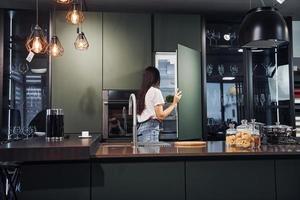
<point>263,27</point>
<point>55,47</point>
<point>64,1</point>
<point>75,15</point>
<point>81,43</point>
<point>37,42</point>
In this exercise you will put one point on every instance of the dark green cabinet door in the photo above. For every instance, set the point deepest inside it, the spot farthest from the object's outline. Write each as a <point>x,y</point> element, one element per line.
<point>288,179</point>
<point>55,181</point>
<point>126,49</point>
<point>189,81</point>
<point>77,75</point>
<point>173,29</point>
<point>138,180</point>
<point>233,179</point>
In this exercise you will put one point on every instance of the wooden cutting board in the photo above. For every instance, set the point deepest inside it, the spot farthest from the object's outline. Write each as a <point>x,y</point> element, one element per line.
<point>189,143</point>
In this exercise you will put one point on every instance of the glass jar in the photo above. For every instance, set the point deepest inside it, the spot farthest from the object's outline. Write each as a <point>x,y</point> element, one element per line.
<point>244,127</point>
<point>255,133</point>
<point>230,135</point>
<point>243,138</point>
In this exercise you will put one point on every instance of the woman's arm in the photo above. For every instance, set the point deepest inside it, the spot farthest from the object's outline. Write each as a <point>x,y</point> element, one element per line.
<point>161,114</point>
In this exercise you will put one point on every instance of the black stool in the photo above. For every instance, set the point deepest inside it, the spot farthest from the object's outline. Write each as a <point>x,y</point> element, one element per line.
<point>9,180</point>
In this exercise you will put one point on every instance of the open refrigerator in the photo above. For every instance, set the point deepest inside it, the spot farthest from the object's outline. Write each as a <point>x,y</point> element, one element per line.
<point>166,63</point>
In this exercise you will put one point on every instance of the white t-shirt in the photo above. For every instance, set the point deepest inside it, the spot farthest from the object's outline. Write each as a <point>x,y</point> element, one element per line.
<point>153,98</point>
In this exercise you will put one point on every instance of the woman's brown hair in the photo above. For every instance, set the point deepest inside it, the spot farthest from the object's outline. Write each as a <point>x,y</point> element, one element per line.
<point>151,77</point>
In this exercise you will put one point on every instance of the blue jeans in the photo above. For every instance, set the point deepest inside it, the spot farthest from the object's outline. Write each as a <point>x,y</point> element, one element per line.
<point>148,132</point>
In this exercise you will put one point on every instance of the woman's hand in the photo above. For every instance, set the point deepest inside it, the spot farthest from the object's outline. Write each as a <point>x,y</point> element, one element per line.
<point>161,114</point>
<point>177,97</point>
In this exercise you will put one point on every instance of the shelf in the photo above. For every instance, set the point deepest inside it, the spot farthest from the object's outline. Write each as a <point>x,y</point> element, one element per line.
<point>223,46</point>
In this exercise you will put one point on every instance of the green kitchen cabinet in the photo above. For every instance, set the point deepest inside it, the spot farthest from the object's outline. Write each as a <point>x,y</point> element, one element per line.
<point>189,82</point>
<point>58,181</point>
<point>138,180</point>
<point>126,49</point>
<point>77,75</point>
<point>173,29</point>
<point>288,179</point>
<point>230,179</point>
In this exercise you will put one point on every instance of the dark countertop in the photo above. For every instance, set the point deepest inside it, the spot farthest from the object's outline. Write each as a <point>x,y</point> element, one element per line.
<point>211,149</point>
<point>76,149</point>
<point>37,149</point>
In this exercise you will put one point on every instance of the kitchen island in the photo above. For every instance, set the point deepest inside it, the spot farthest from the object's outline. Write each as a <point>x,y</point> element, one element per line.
<point>118,171</point>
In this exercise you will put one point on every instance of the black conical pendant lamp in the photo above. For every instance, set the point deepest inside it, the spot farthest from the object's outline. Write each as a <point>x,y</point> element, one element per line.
<point>263,27</point>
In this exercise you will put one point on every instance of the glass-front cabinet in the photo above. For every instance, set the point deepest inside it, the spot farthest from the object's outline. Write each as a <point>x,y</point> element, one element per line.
<point>245,83</point>
<point>26,84</point>
<point>271,86</point>
<point>224,75</point>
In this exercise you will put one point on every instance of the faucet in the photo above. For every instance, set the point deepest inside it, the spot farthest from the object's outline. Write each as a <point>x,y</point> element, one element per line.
<point>132,111</point>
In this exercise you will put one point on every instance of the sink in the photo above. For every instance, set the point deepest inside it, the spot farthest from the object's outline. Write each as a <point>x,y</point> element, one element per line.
<point>117,144</point>
<point>154,144</point>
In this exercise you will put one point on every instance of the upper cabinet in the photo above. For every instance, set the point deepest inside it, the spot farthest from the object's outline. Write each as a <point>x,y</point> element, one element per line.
<point>170,30</point>
<point>126,49</point>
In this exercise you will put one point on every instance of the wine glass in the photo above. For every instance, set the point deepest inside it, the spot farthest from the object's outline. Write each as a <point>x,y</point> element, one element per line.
<point>262,99</point>
<point>232,38</point>
<point>254,67</point>
<point>234,70</point>
<point>16,132</point>
<point>32,129</point>
<point>216,37</point>
<point>23,68</point>
<point>209,35</point>
<point>209,69</point>
<point>26,132</point>
<point>256,100</point>
<point>221,69</point>
<point>267,67</point>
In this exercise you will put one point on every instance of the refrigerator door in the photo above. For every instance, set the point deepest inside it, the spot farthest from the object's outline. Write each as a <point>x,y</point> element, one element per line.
<point>189,82</point>
<point>166,62</point>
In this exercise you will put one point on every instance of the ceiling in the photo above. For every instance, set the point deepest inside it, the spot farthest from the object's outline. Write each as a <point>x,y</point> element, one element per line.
<point>205,7</point>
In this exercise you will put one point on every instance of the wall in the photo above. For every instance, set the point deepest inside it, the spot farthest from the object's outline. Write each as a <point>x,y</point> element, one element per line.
<point>77,75</point>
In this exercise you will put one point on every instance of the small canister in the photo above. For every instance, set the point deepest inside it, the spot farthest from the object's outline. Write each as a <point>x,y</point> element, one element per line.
<point>54,125</point>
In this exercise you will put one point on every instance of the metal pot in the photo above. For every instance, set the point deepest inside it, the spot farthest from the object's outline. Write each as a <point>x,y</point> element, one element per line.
<point>274,133</point>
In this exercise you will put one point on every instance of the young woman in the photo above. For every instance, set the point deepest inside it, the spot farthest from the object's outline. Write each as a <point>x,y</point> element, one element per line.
<point>150,106</point>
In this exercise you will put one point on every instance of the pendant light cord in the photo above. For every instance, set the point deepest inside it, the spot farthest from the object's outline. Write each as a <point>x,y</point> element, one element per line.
<point>81,11</point>
<point>37,12</point>
<point>54,20</point>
